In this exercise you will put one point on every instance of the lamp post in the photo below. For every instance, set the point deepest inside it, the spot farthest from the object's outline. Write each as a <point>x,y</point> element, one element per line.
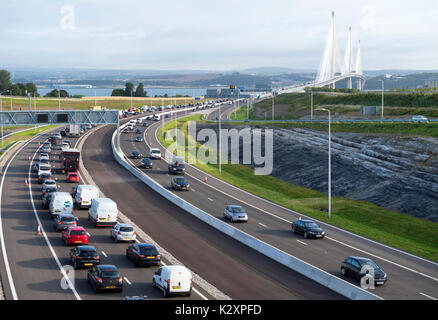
<point>1,109</point>
<point>329,163</point>
<point>383,86</point>
<point>273,105</point>
<point>311,104</point>
<point>220,142</point>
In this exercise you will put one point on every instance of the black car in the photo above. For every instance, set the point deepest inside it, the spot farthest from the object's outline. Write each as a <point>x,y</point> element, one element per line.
<point>358,267</point>
<point>143,254</point>
<point>136,155</point>
<point>138,130</point>
<point>308,229</point>
<point>176,168</point>
<point>63,133</point>
<point>105,277</point>
<point>84,256</point>
<point>146,163</point>
<point>180,183</point>
<point>139,139</point>
<point>145,124</point>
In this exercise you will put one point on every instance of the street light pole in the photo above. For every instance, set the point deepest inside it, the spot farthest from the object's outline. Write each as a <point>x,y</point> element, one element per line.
<point>383,86</point>
<point>329,163</point>
<point>1,109</point>
<point>273,106</point>
<point>311,104</point>
<point>220,142</point>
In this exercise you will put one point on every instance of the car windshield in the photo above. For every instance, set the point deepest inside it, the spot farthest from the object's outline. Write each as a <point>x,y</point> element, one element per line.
<point>77,233</point>
<point>155,151</point>
<point>134,152</point>
<point>67,219</point>
<point>110,274</point>
<point>237,210</point>
<point>126,229</point>
<point>369,263</point>
<point>180,180</point>
<point>73,174</point>
<point>311,225</point>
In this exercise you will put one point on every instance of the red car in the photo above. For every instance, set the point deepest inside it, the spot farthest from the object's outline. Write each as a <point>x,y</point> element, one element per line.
<point>75,235</point>
<point>72,177</point>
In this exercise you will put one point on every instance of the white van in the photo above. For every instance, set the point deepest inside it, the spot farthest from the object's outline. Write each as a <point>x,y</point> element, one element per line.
<point>84,195</point>
<point>44,167</point>
<point>173,280</point>
<point>156,117</point>
<point>155,153</point>
<point>103,212</point>
<point>60,203</point>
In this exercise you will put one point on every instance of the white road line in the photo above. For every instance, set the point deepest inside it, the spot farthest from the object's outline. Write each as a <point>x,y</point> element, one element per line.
<point>89,235</point>
<point>103,252</point>
<point>263,225</point>
<point>302,242</point>
<point>127,280</point>
<point>432,298</point>
<point>210,199</point>
<point>193,190</point>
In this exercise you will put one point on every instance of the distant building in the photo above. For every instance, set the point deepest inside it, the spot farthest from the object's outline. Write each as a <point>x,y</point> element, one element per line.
<point>225,93</point>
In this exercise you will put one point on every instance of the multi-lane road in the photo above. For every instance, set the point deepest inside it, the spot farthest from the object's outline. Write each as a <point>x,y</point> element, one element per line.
<point>31,264</point>
<point>409,277</point>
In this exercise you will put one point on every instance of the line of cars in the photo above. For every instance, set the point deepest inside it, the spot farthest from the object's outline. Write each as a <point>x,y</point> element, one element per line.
<point>102,212</point>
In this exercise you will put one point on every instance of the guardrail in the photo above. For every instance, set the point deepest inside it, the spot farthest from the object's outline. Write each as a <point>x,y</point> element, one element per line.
<point>320,276</point>
<point>333,121</point>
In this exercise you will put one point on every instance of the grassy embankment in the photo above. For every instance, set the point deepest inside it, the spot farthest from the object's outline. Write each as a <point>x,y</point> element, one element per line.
<point>24,135</point>
<point>87,102</point>
<point>296,105</point>
<point>411,234</point>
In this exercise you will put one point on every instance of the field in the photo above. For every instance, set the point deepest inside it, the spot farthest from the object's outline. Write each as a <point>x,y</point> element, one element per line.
<point>411,234</point>
<point>20,103</point>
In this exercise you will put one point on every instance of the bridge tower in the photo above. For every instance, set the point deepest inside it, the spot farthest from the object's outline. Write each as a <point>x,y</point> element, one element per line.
<point>348,60</point>
<point>358,67</point>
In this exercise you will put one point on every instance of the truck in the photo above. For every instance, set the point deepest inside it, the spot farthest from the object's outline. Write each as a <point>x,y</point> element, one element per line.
<point>74,130</point>
<point>69,158</point>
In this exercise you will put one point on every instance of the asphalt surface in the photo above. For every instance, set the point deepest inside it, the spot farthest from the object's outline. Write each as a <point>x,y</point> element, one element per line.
<point>409,277</point>
<point>32,268</point>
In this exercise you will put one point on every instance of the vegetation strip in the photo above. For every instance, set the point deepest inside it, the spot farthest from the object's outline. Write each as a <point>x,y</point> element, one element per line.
<point>392,228</point>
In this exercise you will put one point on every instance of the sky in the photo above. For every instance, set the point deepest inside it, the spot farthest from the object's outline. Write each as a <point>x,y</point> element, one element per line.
<point>213,34</point>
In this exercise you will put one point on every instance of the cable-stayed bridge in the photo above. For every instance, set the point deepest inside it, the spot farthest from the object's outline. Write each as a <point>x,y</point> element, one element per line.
<point>332,69</point>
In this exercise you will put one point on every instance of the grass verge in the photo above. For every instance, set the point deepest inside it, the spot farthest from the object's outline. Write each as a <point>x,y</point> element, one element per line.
<point>395,229</point>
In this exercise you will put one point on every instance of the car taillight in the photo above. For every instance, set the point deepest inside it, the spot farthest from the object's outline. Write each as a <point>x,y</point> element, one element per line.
<point>191,282</point>
<point>80,199</point>
<point>119,233</point>
<point>133,233</point>
<point>157,256</point>
<point>78,257</point>
<point>168,282</point>
<point>100,280</point>
<point>97,257</point>
<point>121,279</point>
<point>141,256</point>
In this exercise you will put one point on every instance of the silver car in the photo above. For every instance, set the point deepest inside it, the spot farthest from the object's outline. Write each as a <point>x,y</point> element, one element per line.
<point>123,232</point>
<point>235,213</point>
<point>63,221</point>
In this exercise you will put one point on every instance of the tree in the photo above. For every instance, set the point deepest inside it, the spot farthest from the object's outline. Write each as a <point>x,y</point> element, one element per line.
<point>55,94</point>
<point>118,93</point>
<point>31,89</point>
<point>139,92</point>
<point>129,89</point>
<point>5,80</point>
<point>17,90</point>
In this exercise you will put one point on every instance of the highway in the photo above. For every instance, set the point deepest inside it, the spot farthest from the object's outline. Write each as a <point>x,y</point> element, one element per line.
<point>409,277</point>
<point>30,264</point>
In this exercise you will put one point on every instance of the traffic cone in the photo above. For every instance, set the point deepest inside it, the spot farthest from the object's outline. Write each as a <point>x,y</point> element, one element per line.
<point>25,182</point>
<point>39,230</point>
<point>205,179</point>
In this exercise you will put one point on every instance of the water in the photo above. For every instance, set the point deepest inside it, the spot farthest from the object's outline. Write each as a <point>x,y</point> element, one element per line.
<point>104,92</point>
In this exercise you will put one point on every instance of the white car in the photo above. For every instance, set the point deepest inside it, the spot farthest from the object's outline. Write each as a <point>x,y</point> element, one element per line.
<point>419,119</point>
<point>138,120</point>
<point>155,153</point>
<point>123,232</point>
<point>173,280</point>
<point>44,156</point>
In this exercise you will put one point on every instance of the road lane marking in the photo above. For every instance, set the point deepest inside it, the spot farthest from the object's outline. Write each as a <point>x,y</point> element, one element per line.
<point>103,252</point>
<point>302,242</point>
<point>210,199</point>
<point>89,235</point>
<point>432,298</point>
<point>263,225</point>
<point>127,280</point>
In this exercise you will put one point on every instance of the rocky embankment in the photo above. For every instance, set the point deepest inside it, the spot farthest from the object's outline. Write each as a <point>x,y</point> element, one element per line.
<point>395,172</point>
